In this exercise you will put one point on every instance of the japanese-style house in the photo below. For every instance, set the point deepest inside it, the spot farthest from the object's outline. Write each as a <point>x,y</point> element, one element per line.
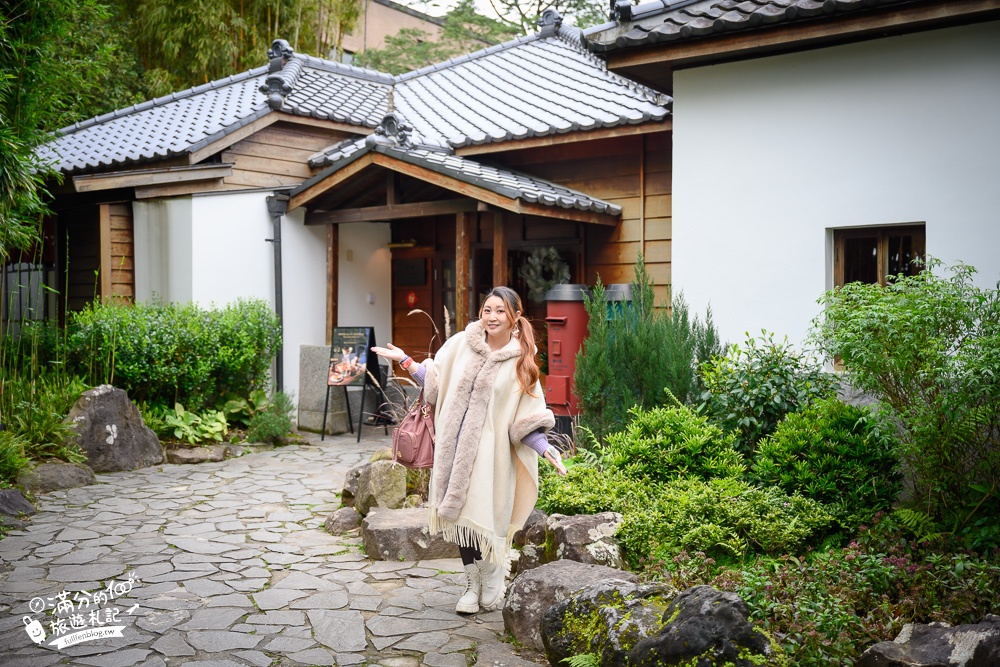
<point>817,143</point>
<point>348,197</point>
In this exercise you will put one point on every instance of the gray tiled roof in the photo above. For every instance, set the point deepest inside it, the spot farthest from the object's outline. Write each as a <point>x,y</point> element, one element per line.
<point>184,122</point>
<point>538,85</point>
<point>506,182</point>
<point>664,21</point>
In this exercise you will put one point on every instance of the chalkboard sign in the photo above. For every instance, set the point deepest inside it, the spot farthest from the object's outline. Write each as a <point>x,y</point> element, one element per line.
<point>351,358</point>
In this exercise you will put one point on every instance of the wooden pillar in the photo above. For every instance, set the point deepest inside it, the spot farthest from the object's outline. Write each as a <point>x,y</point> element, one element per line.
<point>499,250</point>
<point>463,268</point>
<point>332,278</point>
<point>104,271</point>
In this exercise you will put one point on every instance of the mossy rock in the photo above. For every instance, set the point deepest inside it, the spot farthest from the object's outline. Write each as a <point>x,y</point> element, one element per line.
<point>606,619</point>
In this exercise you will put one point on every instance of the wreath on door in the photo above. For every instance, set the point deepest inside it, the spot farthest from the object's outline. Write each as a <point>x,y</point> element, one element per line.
<point>543,268</point>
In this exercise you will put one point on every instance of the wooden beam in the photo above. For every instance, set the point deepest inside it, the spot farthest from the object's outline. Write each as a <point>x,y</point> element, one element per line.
<point>105,243</point>
<point>264,121</point>
<point>575,214</point>
<point>391,212</point>
<point>805,34</point>
<point>391,185</point>
<point>332,278</point>
<point>499,250</point>
<point>146,177</point>
<point>463,267</point>
<point>331,181</point>
<point>664,125</point>
<point>490,197</point>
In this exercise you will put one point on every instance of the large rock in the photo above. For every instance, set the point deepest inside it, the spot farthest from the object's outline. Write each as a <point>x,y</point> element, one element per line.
<point>381,484</point>
<point>56,475</point>
<point>536,517</point>
<point>342,521</point>
<point>533,592</point>
<point>532,545</point>
<point>350,491</point>
<point>585,538</point>
<point>704,627</point>
<point>110,431</point>
<point>606,619</point>
<point>403,534</point>
<point>13,503</point>
<point>939,645</point>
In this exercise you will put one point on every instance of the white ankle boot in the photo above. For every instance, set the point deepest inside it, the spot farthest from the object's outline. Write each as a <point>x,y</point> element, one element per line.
<point>469,602</point>
<point>493,578</point>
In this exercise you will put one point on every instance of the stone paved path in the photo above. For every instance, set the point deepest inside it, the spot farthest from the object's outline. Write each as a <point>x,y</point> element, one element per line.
<point>233,567</point>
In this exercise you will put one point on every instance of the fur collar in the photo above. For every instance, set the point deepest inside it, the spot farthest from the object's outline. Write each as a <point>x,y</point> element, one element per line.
<point>475,335</point>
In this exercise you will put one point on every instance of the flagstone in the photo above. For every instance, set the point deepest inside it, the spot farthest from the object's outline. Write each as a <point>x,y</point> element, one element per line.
<point>215,641</point>
<point>342,631</point>
<point>172,646</point>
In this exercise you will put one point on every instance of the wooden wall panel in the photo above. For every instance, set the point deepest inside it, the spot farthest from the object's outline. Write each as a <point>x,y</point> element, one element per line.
<point>276,155</point>
<point>122,251</point>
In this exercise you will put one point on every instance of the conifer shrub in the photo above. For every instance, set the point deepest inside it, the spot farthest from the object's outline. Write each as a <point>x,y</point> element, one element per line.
<point>838,454</point>
<point>638,354</point>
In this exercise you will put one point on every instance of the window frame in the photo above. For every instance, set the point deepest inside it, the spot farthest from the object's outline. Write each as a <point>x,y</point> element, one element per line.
<point>882,232</point>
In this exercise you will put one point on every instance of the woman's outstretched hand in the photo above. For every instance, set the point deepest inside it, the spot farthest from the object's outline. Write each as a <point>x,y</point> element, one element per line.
<point>553,457</point>
<point>390,352</point>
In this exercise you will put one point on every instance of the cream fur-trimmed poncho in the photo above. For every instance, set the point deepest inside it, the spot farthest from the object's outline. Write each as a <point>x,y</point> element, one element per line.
<point>484,483</point>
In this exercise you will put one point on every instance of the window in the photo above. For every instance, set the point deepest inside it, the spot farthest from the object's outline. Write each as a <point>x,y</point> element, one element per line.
<point>871,254</point>
<point>24,295</point>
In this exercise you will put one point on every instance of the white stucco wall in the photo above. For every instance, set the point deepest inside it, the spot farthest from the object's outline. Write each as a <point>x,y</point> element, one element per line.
<point>365,286</point>
<point>771,154</point>
<point>163,241</point>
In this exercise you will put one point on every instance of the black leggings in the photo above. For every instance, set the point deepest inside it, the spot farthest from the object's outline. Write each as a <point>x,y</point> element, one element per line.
<point>469,554</point>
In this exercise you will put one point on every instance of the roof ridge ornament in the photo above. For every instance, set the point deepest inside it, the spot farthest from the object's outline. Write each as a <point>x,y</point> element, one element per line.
<point>278,84</point>
<point>621,11</point>
<point>393,131</point>
<point>549,22</point>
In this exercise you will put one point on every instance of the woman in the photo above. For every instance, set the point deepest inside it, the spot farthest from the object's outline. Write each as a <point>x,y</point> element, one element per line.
<point>490,421</point>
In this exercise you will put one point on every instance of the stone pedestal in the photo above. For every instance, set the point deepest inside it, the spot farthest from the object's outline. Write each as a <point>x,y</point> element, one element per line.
<point>314,361</point>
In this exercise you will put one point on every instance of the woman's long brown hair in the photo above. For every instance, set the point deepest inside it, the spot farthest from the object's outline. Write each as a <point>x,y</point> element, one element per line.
<point>527,367</point>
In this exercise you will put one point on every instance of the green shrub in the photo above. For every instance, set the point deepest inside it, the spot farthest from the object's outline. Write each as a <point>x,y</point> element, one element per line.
<point>12,457</point>
<point>274,422</point>
<point>928,346</point>
<point>165,354</point>
<point>840,455</point>
<point>750,389</point>
<point>725,517</point>
<point>665,443</point>
<point>829,606</point>
<point>34,411</point>
<point>193,428</point>
<point>630,358</point>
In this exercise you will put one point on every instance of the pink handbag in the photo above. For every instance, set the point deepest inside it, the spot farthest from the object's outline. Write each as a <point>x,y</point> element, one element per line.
<point>413,439</point>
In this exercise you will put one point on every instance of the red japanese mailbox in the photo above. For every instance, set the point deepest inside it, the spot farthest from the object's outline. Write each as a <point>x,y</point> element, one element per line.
<point>567,321</point>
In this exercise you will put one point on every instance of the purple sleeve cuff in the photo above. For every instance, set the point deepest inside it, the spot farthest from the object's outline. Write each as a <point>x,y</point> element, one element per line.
<point>537,441</point>
<point>417,372</point>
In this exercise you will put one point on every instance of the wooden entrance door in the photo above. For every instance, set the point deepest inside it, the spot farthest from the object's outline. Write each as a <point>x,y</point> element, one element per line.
<point>422,279</point>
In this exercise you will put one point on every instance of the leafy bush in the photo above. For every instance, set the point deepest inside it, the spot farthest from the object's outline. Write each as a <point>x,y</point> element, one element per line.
<point>34,410</point>
<point>750,389</point>
<point>12,457</point>
<point>726,517</point>
<point>928,346</point>
<point>835,453</point>
<point>629,359</point>
<point>165,354</point>
<point>274,422</point>
<point>665,443</point>
<point>188,426</point>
